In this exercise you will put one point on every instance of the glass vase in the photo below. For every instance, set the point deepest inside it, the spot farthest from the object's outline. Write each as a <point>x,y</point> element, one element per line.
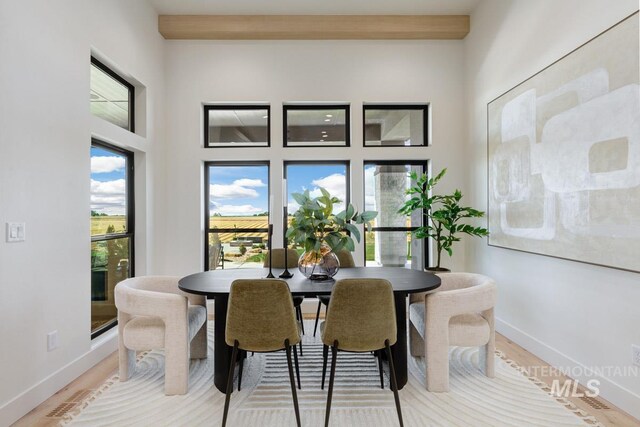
<point>319,265</point>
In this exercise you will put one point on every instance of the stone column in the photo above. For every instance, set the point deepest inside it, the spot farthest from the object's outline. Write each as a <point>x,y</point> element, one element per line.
<point>391,182</point>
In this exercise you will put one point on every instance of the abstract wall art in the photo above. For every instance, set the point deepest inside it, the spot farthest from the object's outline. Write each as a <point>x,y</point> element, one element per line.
<point>564,156</point>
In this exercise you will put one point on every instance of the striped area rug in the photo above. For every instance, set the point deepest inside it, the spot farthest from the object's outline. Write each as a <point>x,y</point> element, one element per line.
<point>510,399</point>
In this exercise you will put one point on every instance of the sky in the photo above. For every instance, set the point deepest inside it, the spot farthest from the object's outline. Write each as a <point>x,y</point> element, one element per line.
<point>243,190</point>
<point>108,185</point>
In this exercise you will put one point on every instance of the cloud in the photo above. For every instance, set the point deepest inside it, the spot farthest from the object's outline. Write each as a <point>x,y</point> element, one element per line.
<point>106,164</point>
<point>231,191</point>
<point>369,189</point>
<point>236,210</point>
<point>109,197</point>
<point>335,184</point>
<point>246,182</point>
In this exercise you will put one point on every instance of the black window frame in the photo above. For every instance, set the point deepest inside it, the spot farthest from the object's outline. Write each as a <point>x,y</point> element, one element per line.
<point>130,201</point>
<point>425,122</point>
<point>320,107</point>
<point>207,198</point>
<point>131,89</point>
<point>211,107</point>
<point>425,168</point>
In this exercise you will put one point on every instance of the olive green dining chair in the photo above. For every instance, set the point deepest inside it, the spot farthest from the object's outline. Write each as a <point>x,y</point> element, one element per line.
<point>361,318</point>
<point>277,261</point>
<point>261,318</point>
<point>346,261</point>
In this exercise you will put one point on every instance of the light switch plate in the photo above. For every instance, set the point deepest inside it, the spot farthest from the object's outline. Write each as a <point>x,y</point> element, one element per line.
<point>15,232</point>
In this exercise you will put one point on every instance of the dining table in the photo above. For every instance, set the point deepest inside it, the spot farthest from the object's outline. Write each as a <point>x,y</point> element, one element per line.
<point>216,284</point>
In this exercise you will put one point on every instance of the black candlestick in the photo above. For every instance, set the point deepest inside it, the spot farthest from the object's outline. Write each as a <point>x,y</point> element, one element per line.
<point>270,275</point>
<point>286,274</point>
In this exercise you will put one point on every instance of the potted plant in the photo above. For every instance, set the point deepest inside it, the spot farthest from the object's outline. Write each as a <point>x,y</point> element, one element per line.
<point>315,228</point>
<point>444,215</point>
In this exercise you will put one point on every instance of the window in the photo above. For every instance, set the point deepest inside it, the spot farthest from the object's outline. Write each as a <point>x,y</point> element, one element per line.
<point>316,125</point>
<point>111,96</point>
<point>237,214</point>
<point>112,230</point>
<point>236,126</point>
<point>395,125</point>
<point>390,243</point>
<point>310,175</point>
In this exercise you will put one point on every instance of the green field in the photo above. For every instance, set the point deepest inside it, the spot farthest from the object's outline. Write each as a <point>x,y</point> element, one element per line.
<point>100,224</point>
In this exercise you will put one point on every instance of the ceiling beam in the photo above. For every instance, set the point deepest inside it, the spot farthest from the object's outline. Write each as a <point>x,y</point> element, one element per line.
<point>313,27</point>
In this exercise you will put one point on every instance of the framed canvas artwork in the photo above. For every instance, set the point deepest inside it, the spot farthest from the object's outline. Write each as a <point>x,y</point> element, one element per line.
<point>564,156</point>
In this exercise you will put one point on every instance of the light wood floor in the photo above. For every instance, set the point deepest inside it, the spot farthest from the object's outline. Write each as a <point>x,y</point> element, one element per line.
<point>93,378</point>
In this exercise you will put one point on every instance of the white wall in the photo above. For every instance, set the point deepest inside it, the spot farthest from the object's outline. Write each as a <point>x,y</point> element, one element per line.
<point>45,134</point>
<point>198,72</point>
<point>568,313</point>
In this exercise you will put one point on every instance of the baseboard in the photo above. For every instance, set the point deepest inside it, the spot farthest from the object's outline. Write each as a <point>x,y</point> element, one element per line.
<point>609,390</point>
<point>22,404</point>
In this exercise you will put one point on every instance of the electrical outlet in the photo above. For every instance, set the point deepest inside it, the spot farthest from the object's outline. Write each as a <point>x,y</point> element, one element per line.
<point>52,340</point>
<point>635,352</point>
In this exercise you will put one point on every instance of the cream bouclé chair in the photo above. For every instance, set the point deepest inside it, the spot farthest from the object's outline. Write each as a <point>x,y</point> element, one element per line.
<point>458,313</point>
<point>154,314</point>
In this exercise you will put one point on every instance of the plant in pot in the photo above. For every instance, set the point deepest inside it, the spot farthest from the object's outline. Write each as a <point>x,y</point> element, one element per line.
<point>444,215</point>
<point>321,233</point>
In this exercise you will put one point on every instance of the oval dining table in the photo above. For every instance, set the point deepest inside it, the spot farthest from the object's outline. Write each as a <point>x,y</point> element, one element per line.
<point>216,284</point>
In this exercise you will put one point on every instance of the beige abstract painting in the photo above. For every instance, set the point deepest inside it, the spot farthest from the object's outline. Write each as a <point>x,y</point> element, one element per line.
<point>564,156</point>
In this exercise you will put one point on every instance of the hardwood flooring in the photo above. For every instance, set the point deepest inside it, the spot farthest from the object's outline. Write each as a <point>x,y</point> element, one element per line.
<point>43,416</point>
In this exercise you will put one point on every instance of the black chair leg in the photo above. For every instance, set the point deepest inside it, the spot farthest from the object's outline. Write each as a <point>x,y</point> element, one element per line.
<point>292,381</point>
<point>325,354</point>
<point>394,384</point>
<point>315,327</point>
<point>379,356</point>
<point>300,344</point>
<point>295,360</point>
<point>332,376</point>
<point>234,353</point>
<point>242,356</point>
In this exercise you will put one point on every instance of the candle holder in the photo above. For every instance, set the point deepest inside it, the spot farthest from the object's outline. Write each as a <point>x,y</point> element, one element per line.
<point>270,236</point>
<point>286,274</point>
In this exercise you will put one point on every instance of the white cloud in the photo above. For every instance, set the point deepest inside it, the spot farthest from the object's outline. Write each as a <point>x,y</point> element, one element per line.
<point>236,210</point>
<point>246,182</point>
<point>335,184</point>
<point>106,164</point>
<point>231,191</point>
<point>109,197</point>
<point>370,189</point>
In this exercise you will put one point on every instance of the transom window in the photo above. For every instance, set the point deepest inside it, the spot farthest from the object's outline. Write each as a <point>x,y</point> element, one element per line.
<point>395,125</point>
<point>316,125</point>
<point>236,126</point>
<point>111,96</point>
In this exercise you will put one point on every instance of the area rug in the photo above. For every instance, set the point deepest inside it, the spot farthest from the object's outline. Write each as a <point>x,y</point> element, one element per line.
<point>510,399</point>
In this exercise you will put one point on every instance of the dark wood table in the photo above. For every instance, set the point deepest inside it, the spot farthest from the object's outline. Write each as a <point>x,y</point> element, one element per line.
<point>217,283</point>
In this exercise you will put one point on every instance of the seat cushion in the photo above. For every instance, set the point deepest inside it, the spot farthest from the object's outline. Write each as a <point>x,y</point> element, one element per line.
<point>466,330</point>
<point>147,332</point>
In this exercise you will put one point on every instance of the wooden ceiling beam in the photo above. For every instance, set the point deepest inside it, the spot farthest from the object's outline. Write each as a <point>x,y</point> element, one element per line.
<point>313,27</point>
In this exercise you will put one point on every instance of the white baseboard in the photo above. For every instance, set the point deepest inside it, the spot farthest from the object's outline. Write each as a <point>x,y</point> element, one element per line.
<point>22,404</point>
<point>609,390</point>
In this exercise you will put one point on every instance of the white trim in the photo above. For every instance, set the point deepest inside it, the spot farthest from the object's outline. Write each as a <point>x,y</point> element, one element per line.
<point>609,390</point>
<point>22,404</point>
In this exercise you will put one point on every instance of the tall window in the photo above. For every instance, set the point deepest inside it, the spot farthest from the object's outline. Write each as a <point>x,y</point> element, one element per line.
<point>112,97</point>
<point>390,242</point>
<point>112,229</point>
<point>237,214</point>
<point>311,175</point>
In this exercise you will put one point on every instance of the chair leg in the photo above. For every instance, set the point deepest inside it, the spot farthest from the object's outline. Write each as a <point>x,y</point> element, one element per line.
<point>300,318</point>
<point>394,384</point>
<point>332,376</point>
<point>315,327</point>
<point>232,366</point>
<point>295,360</point>
<point>379,356</point>
<point>292,381</point>
<point>300,344</point>
<point>325,354</point>
<point>242,356</point>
